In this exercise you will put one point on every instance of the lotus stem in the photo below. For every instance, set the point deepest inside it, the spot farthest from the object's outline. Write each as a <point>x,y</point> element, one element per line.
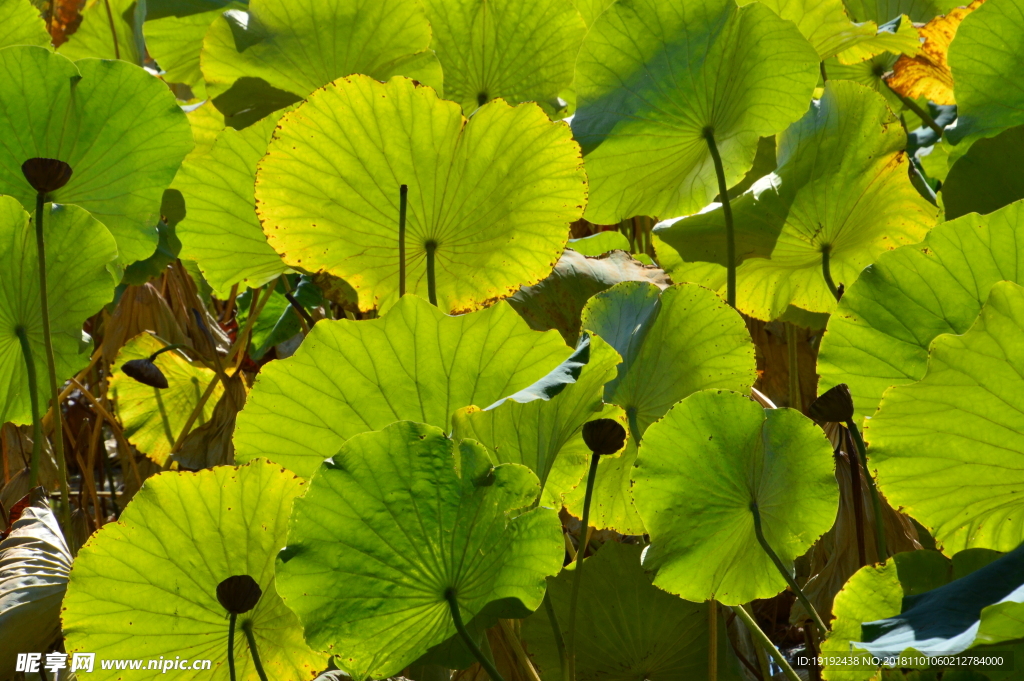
<point>784,572</point>
<point>730,235</point>
<point>712,640</point>
<point>253,650</point>
<point>858,501</point>
<point>304,317</point>
<point>824,73</point>
<point>826,271</point>
<point>921,113</point>
<point>51,367</point>
<point>231,645</point>
<point>876,503</point>
<point>33,394</point>
<point>570,643</point>
<point>453,605</point>
<point>403,204</point>
<point>431,277</point>
<point>556,631</point>
<point>769,647</point>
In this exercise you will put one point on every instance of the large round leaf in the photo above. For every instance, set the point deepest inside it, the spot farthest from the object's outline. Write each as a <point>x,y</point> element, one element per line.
<point>391,523</point>
<point>146,586</point>
<point>983,58</point>
<point>672,343</point>
<point>985,178</point>
<point>88,114</point>
<point>20,24</point>
<point>518,50</point>
<point>627,628</point>
<point>826,24</point>
<point>154,417</point>
<point>78,284</point>
<point>652,76</point>
<point>880,334</point>
<point>494,195</point>
<point>174,32</point>
<point>540,427</point>
<point>841,188</point>
<point>700,470</point>
<point>949,449</point>
<point>34,566</point>
<point>281,50</point>
<point>107,31</point>
<point>414,363</point>
<point>882,11</point>
<point>220,230</point>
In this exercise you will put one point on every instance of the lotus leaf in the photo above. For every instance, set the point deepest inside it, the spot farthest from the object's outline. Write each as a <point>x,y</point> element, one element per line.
<point>350,377</point>
<point>882,11</point>
<point>491,197</point>
<point>20,24</point>
<point>108,31</point>
<point>700,471</point>
<point>397,518</point>
<point>985,178</point>
<point>86,114</point>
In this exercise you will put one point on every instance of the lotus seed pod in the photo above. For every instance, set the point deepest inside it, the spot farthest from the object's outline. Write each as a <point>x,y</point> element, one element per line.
<point>239,594</point>
<point>146,372</point>
<point>604,436</point>
<point>46,174</point>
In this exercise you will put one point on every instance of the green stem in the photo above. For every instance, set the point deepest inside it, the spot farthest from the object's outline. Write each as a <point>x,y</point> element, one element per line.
<point>51,367</point>
<point>730,236</point>
<point>826,271</point>
<point>769,647</point>
<point>794,368</point>
<point>570,644</point>
<point>431,280</point>
<point>453,605</point>
<point>33,394</point>
<point>231,645</point>
<point>247,628</point>
<point>824,74</point>
<point>921,113</point>
<point>784,572</point>
<point>403,203</point>
<point>876,503</point>
<point>557,631</point>
<point>164,349</point>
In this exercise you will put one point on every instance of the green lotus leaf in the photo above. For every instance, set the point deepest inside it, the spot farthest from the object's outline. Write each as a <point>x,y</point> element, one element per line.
<point>87,114</point>
<point>34,566</point>
<point>841,189</point>
<point>518,50</point>
<point>557,301</point>
<point>600,243</point>
<point>79,251</point>
<point>349,377</point>
<point>879,335</point>
<point>494,196</point>
<point>983,58</point>
<point>20,24</point>
<point>868,73</point>
<point>627,629</point>
<point>220,230</point>
<point>207,124</point>
<point>445,512</point>
<point>590,10</point>
<point>898,37</point>
<point>826,25</point>
<point>281,50</point>
<point>146,585</point>
<point>174,32</point>
<point>985,178</point>
<point>877,592</point>
<point>154,417</point>
<point>743,72</point>
<point>882,11</point>
<point>699,472</point>
<point>108,31</point>
<point>540,427</point>
<point>957,433</point>
<point>672,343</point>
<point>985,607</point>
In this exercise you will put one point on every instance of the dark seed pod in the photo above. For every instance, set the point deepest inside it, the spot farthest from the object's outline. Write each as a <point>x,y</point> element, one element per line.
<point>604,436</point>
<point>46,174</point>
<point>835,406</point>
<point>239,593</point>
<point>146,372</point>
